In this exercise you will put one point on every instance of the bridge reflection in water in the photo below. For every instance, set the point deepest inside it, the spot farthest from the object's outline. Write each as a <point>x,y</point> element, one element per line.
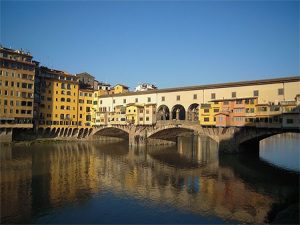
<point>40,179</point>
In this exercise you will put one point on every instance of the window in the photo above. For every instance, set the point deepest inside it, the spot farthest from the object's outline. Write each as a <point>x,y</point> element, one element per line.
<point>255,93</point>
<point>239,101</point>
<point>178,97</point>
<point>206,110</point>
<point>216,110</point>
<point>249,110</point>
<point>213,96</point>
<point>233,94</point>
<point>114,101</point>
<point>289,121</point>
<point>147,118</point>
<point>124,101</point>
<point>195,96</point>
<point>262,109</point>
<point>206,119</point>
<point>149,99</point>
<point>280,91</point>
<point>163,98</point>
<point>136,100</point>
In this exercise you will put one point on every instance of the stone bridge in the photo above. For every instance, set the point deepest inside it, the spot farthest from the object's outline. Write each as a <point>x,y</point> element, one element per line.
<point>230,139</point>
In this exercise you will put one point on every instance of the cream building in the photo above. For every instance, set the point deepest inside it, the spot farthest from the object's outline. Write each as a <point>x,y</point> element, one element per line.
<point>182,102</point>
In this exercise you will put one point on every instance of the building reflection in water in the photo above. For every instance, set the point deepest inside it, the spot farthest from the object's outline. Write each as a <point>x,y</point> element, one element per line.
<point>43,177</point>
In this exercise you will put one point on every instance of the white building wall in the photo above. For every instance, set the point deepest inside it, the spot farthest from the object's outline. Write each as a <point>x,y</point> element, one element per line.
<point>267,93</point>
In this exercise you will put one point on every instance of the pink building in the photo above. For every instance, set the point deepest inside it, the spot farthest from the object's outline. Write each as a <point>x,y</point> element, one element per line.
<point>234,112</point>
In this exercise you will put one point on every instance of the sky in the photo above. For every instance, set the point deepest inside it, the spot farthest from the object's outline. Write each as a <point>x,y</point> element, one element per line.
<point>167,43</point>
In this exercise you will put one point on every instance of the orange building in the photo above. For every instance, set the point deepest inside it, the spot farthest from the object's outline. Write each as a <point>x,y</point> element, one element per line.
<point>236,112</point>
<point>16,88</point>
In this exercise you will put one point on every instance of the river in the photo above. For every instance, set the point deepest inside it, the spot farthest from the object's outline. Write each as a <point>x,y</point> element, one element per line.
<point>94,182</point>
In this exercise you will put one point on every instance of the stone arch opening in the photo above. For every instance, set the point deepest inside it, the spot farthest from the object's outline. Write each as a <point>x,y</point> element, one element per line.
<point>171,133</point>
<point>75,132</point>
<point>80,134</point>
<point>163,113</point>
<point>62,132</point>
<point>193,112</point>
<point>113,132</point>
<point>178,112</point>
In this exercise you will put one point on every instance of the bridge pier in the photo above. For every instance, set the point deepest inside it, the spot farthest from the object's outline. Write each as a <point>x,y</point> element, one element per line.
<point>137,140</point>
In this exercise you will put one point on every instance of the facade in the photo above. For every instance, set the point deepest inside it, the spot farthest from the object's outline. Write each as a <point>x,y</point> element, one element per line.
<point>247,112</point>
<point>85,107</point>
<point>86,80</point>
<point>134,114</point>
<point>204,103</point>
<point>235,112</point>
<point>119,89</point>
<point>56,95</point>
<point>118,116</point>
<point>103,86</point>
<point>17,75</point>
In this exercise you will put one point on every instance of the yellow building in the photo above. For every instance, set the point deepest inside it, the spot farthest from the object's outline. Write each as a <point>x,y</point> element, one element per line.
<point>119,88</point>
<point>134,114</point>
<point>16,88</point>
<point>207,113</point>
<point>85,107</point>
<point>56,95</point>
<point>118,116</point>
<point>96,113</point>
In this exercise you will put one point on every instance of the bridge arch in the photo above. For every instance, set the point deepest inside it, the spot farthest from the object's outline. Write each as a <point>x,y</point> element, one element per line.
<point>193,112</point>
<point>178,112</point>
<point>170,133</point>
<point>117,132</point>
<point>163,113</point>
<point>251,140</point>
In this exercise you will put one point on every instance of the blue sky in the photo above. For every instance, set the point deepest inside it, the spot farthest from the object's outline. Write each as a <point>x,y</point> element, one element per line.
<point>168,43</point>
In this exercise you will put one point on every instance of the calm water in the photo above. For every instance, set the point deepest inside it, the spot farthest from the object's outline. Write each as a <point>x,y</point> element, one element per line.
<point>111,183</point>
